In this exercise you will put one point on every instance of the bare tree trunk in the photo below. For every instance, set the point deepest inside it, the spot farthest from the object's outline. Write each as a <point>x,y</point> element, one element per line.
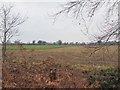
<point>3,52</point>
<point>4,48</point>
<point>9,23</point>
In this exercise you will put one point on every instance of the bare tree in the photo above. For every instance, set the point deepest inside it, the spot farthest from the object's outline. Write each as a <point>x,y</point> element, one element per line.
<point>9,24</point>
<point>85,11</point>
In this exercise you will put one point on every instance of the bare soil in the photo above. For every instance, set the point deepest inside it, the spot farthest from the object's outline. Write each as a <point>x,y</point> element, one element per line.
<point>31,68</point>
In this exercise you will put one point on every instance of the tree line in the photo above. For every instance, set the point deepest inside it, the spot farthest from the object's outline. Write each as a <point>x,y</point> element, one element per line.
<point>60,42</point>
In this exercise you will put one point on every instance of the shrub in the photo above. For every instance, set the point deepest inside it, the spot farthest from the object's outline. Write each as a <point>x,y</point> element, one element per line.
<point>108,78</point>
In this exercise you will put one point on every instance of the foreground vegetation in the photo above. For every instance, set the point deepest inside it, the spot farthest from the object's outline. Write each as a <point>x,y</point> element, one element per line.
<point>75,68</point>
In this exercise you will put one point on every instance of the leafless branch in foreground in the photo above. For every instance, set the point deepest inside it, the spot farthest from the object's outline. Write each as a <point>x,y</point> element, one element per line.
<point>85,10</point>
<point>9,24</point>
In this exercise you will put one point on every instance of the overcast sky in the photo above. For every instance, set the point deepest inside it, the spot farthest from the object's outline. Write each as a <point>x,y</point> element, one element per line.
<point>39,25</point>
<point>35,0</point>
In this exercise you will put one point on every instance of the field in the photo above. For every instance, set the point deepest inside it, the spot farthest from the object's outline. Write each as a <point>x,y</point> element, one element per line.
<point>40,47</point>
<point>75,67</point>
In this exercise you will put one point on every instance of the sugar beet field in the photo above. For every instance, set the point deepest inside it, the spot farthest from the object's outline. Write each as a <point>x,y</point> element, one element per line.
<point>32,66</point>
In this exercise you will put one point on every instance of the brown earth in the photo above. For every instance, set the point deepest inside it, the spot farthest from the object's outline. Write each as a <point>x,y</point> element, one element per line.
<point>31,68</point>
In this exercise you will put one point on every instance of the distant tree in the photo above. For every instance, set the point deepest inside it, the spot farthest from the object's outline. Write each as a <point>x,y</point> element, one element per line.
<point>39,42</point>
<point>54,43</point>
<point>99,42</point>
<point>71,43</point>
<point>83,43</point>
<point>33,42</point>
<point>59,42</point>
<point>65,43</point>
<point>17,42</point>
<point>76,43</point>
<point>44,42</point>
<point>91,43</point>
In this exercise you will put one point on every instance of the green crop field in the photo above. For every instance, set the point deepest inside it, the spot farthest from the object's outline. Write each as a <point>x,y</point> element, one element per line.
<point>36,47</point>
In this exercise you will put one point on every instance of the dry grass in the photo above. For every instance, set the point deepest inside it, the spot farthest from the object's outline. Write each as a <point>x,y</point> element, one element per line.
<point>30,68</point>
